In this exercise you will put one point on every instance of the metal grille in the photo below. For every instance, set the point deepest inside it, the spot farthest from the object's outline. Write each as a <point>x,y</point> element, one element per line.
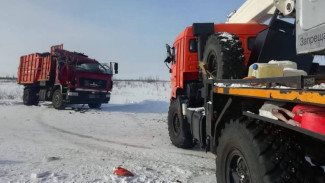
<point>93,83</point>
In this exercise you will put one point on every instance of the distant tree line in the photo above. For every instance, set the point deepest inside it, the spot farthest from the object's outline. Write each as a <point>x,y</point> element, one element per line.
<point>7,77</point>
<point>149,79</point>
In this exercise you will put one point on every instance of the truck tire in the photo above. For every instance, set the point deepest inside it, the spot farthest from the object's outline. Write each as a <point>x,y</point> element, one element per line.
<point>178,128</point>
<point>30,97</point>
<point>94,105</point>
<point>224,57</point>
<point>57,100</point>
<point>254,152</point>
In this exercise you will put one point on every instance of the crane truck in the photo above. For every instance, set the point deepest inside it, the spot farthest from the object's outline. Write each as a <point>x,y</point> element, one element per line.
<point>213,106</point>
<point>65,77</point>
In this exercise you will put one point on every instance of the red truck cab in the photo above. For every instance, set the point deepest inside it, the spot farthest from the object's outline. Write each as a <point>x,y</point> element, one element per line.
<point>65,77</point>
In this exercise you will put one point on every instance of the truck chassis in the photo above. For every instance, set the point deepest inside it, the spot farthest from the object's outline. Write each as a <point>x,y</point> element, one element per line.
<point>231,128</point>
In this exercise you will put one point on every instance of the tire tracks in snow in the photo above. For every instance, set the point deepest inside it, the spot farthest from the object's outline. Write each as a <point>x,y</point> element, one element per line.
<point>139,158</point>
<point>88,136</point>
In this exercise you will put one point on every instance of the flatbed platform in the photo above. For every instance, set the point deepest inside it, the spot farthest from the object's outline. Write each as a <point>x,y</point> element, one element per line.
<point>297,89</point>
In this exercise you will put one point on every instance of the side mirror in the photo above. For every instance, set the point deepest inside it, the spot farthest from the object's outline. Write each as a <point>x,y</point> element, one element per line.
<point>169,54</point>
<point>116,68</point>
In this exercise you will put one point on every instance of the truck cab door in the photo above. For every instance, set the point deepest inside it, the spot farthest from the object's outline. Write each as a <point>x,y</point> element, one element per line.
<point>174,71</point>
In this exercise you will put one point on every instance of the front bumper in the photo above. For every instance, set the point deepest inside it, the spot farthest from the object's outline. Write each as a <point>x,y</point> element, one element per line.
<point>86,97</point>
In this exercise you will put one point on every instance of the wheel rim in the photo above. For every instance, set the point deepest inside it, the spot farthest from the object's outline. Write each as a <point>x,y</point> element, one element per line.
<point>176,125</point>
<point>56,99</point>
<point>237,170</point>
<point>212,64</point>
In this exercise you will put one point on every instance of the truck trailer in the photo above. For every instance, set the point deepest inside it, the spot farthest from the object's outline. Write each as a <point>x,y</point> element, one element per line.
<point>65,77</point>
<point>215,105</point>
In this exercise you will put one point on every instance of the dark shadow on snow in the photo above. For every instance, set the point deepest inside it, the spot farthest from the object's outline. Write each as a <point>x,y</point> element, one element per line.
<point>147,106</point>
<point>8,162</point>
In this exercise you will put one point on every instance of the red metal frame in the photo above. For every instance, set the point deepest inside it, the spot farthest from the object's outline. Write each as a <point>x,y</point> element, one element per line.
<point>33,68</point>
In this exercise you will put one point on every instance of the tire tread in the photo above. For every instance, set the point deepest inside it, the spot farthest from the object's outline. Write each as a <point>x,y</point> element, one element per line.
<point>279,156</point>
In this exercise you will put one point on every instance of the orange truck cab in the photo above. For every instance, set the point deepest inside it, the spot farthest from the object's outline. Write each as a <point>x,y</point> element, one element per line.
<point>184,56</point>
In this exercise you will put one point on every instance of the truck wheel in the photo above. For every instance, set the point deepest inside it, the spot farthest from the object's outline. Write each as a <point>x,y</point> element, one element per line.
<point>94,105</point>
<point>224,57</point>
<point>178,128</point>
<point>57,100</point>
<point>254,152</point>
<point>29,97</point>
<point>36,101</point>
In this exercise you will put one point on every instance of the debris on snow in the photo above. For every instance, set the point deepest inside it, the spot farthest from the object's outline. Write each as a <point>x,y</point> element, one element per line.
<point>123,172</point>
<point>48,159</point>
<point>40,175</point>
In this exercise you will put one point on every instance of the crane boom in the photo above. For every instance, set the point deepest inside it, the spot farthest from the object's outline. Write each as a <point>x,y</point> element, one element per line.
<point>253,11</point>
<point>309,22</point>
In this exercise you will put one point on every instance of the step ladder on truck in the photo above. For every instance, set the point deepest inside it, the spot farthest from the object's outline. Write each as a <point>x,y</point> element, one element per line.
<point>251,93</point>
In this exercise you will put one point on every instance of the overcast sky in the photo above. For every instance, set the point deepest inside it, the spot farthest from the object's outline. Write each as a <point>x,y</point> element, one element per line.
<point>130,32</point>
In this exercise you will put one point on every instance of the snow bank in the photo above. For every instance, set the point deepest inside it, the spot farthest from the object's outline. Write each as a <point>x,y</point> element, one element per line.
<point>10,90</point>
<point>128,92</point>
<point>139,95</point>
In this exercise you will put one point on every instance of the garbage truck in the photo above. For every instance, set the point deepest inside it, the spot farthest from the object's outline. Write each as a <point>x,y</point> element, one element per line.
<point>248,90</point>
<point>65,77</point>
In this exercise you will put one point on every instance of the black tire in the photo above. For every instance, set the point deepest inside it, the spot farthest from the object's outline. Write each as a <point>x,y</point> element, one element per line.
<point>94,105</point>
<point>224,57</point>
<point>57,100</point>
<point>30,97</point>
<point>257,152</point>
<point>178,128</point>
<point>36,101</point>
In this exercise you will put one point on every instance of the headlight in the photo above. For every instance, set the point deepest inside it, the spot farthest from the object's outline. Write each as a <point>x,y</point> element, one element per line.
<point>73,93</point>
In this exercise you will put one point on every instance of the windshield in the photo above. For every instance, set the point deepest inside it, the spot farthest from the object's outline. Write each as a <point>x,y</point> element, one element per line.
<point>92,67</point>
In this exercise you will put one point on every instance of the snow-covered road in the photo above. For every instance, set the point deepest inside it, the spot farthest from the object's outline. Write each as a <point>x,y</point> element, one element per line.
<point>41,144</point>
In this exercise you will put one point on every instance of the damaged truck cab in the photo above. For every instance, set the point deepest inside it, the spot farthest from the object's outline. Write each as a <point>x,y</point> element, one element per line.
<point>65,77</point>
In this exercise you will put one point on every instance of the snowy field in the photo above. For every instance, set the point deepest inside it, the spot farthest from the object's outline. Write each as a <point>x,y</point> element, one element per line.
<point>41,144</point>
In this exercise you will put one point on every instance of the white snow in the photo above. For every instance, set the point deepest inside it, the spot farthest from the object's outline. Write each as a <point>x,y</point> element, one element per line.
<point>10,90</point>
<point>224,40</point>
<point>198,109</point>
<point>227,35</point>
<point>318,87</point>
<point>237,85</point>
<point>41,144</point>
<point>220,85</point>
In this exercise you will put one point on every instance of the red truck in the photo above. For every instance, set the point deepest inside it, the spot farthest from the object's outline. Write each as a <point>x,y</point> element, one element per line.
<point>65,77</point>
